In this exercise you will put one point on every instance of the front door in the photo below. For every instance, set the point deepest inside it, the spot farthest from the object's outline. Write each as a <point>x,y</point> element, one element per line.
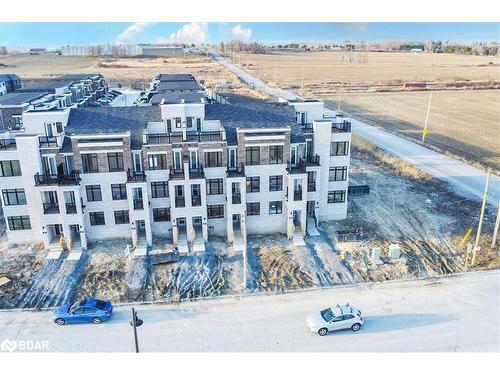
<point>310,207</point>
<point>193,159</point>
<point>177,160</point>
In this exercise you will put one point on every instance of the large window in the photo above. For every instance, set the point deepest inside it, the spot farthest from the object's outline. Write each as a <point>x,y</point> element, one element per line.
<point>159,189</point>
<point>161,214</point>
<point>14,197</point>
<point>115,161</point>
<point>337,196</point>
<point>213,159</point>
<point>253,208</point>
<point>89,163</point>
<point>121,217</point>
<point>253,184</point>
<point>252,155</point>
<point>96,218</point>
<point>275,183</point>
<point>275,154</point>
<point>10,168</point>
<point>275,207</point>
<point>19,222</point>
<point>338,174</point>
<point>118,192</point>
<point>157,161</point>
<point>215,211</point>
<point>93,193</point>
<point>215,186</point>
<point>339,148</point>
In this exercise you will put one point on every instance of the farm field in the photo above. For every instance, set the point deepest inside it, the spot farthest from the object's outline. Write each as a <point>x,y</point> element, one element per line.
<point>324,69</point>
<point>463,124</point>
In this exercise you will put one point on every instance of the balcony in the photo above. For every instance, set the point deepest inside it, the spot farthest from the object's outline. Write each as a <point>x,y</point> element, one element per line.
<point>213,136</point>
<point>311,186</point>
<point>50,208</point>
<point>70,208</point>
<point>297,195</point>
<point>60,179</point>
<point>163,138</point>
<point>312,160</point>
<point>138,204</point>
<point>195,173</point>
<point>238,171</point>
<point>47,142</point>
<point>307,128</point>
<point>236,198</point>
<point>180,202</point>
<point>299,167</point>
<point>7,144</point>
<point>176,174</point>
<point>342,127</point>
<point>135,176</point>
<point>177,137</point>
<point>196,201</point>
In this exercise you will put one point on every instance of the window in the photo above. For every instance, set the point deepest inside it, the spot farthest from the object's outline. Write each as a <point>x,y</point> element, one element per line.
<point>96,218</point>
<point>89,162</point>
<point>215,211</point>
<point>10,168</point>
<point>275,207</point>
<point>161,214</point>
<point>118,192</point>
<point>189,122</point>
<point>253,209</point>
<point>198,124</point>
<point>19,222</point>
<point>93,193</point>
<point>157,161</point>
<point>339,148</point>
<point>178,122</point>
<point>137,162</point>
<point>252,155</point>
<point>275,183</point>
<point>215,186</point>
<point>159,189</point>
<point>253,184</point>
<point>275,154</point>
<point>121,217</point>
<point>115,161</point>
<point>69,163</point>
<point>232,158</point>
<point>213,159</point>
<point>59,127</point>
<point>169,125</point>
<point>337,196</point>
<point>338,174</point>
<point>14,197</point>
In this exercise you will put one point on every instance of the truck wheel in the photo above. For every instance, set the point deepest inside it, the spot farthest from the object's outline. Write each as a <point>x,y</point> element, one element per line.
<point>322,331</point>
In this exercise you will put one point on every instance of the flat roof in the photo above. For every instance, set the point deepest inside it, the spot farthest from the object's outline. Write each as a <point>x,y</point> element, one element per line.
<point>19,98</point>
<point>177,98</point>
<point>175,77</point>
<point>46,86</point>
<point>178,85</point>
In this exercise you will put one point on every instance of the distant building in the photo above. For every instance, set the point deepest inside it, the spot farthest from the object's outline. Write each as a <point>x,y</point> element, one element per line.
<point>38,51</point>
<point>163,51</point>
<point>11,82</point>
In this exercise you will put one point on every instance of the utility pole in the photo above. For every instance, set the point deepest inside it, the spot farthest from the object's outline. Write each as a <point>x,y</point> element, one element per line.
<point>134,324</point>
<point>497,224</point>
<point>481,217</point>
<point>425,131</point>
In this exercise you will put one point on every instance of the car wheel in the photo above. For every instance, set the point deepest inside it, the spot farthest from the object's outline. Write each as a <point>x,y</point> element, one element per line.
<point>322,331</point>
<point>60,321</point>
<point>96,320</point>
<point>355,327</point>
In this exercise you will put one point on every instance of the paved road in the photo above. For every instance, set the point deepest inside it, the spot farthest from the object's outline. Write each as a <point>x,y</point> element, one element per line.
<point>463,178</point>
<point>459,313</point>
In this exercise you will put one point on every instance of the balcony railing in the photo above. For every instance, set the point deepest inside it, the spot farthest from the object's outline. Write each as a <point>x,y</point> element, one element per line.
<point>236,198</point>
<point>135,176</point>
<point>312,160</point>
<point>307,128</point>
<point>342,127</point>
<point>57,179</point>
<point>238,171</point>
<point>7,144</point>
<point>164,138</point>
<point>299,167</point>
<point>176,174</point>
<point>138,204</point>
<point>70,208</point>
<point>180,202</point>
<point>203,136</point>
<point>297,195</point>
<point>50,208</point>
<point>311,186</point>
<point>197,172</point>
<point>195,201</point>
<point>47,142</point>
<point>177,137</point>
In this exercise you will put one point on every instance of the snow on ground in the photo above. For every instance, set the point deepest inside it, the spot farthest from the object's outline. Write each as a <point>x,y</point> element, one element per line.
<point>439,314</point>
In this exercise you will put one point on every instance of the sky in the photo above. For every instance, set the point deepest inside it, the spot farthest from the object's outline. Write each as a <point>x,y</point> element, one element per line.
<point>52,35</point>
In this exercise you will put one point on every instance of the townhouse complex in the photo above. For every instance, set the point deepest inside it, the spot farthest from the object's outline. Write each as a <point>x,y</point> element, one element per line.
<point>188,165</point>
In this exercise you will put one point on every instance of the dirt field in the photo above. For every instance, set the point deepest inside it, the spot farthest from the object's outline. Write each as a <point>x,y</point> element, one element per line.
<point>464,124</point>
<point>327,69</point>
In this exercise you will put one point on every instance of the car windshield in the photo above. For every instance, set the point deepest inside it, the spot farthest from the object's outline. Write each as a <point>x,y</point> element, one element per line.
<point>73,306</point>
<point>327,315</point>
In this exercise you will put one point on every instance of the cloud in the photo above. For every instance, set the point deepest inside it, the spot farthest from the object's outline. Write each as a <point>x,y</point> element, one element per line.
<point>131,33</point>
<point>240,33</point>
<point>195,32</point>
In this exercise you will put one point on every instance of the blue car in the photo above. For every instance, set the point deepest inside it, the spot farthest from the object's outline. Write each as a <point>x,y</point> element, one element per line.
<point>89,310</point>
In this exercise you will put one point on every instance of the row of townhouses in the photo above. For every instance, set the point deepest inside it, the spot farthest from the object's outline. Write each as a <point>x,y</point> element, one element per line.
<point>184,167</point>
